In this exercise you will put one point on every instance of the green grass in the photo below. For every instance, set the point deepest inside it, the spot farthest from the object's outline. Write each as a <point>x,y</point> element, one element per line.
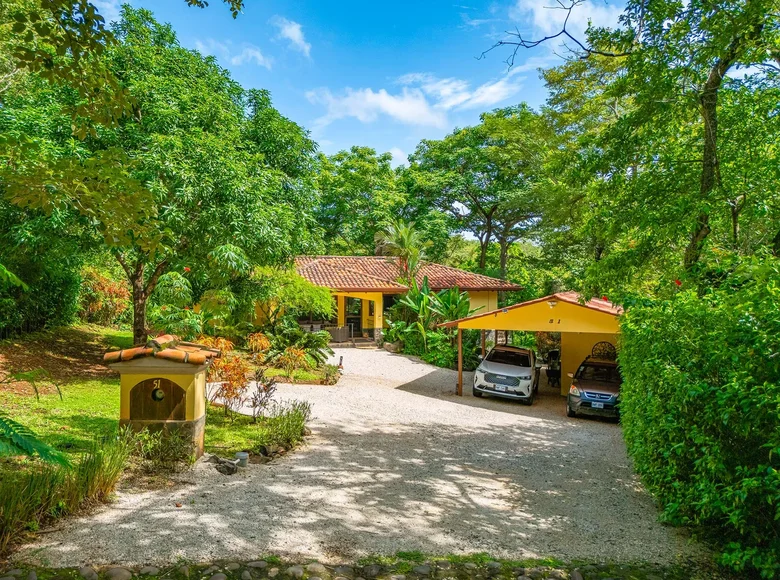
<point>299,375</point>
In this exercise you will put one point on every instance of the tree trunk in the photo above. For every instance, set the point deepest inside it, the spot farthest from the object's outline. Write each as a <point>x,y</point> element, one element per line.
<point>503,244</point>
<point>483,244</point>
<point>140,333</point>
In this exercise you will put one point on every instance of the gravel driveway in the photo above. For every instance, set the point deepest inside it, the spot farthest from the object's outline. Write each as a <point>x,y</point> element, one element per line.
<point>396,462</point>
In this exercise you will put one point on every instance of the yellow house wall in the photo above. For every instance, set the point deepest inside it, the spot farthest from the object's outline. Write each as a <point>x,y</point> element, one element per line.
<point>193,385</point>
<point>564,317</point>
<point>367,321</point>
<point>574,348</point>
<point>486,300</point>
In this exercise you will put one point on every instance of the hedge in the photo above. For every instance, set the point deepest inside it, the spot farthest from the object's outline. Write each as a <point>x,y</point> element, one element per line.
<point>701,411</point>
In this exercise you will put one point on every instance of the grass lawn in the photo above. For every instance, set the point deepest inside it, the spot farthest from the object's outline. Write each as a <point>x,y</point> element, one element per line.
<point>299,375</point>
<point>89,407</point>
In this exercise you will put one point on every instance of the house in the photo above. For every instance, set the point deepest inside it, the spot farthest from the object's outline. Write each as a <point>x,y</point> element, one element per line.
<point>365,286</point>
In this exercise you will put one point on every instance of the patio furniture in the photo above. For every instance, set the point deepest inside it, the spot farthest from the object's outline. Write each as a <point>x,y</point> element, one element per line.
<point>338,333</point>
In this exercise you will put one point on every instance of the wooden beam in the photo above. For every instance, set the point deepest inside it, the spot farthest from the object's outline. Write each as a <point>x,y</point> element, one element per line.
<point>460,362</point>
<point>483,342</point>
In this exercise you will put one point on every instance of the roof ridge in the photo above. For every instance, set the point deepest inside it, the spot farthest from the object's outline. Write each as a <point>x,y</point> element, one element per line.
<point>383,280</point>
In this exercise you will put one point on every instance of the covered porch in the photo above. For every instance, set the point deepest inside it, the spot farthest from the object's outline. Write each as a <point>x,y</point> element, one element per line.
<point>360,313</point>
<point>581,325</point>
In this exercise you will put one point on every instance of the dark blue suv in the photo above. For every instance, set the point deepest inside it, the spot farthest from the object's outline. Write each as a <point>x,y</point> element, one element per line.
<point>595,389</point>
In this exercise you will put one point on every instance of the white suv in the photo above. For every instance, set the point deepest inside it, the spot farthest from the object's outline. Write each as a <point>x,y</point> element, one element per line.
<point>508,371</point>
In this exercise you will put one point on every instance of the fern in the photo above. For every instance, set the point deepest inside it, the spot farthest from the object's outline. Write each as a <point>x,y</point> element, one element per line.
<point>16,439</point>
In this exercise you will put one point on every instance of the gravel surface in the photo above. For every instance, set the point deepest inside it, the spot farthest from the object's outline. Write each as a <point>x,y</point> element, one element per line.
<point>396,462</point>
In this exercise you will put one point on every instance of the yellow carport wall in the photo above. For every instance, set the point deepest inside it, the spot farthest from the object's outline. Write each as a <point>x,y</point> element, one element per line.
<point>376,321</point>
<point>581,327</point>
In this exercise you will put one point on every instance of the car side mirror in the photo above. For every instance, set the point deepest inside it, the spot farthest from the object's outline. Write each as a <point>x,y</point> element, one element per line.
<point>480,357</point>
<point>571,375</point>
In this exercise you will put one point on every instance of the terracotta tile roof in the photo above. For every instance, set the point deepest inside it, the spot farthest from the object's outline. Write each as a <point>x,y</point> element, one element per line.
<point>166,347</point>
<point>380,274</point>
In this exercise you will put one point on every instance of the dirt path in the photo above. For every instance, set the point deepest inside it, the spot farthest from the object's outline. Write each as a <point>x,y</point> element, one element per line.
<point>397,462</point>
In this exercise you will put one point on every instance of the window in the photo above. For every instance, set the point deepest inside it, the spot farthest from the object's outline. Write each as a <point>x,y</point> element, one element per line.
<point>506,357</point>
<point>600,373</point>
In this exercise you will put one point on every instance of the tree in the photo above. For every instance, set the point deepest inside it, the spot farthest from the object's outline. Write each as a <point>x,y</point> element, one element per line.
<point>359,197</point>
<point>403,240</point>
<point>675,65</point>
<point>485,177</point>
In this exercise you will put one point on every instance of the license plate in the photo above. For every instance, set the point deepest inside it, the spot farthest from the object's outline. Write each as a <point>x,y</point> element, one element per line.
<point>500,377</point>
<point>598,405</point>
<point>502,388</point>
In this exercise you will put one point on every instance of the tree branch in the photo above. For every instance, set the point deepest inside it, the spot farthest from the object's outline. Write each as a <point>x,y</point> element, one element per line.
<point>122,262</point>
<point>152,283</point>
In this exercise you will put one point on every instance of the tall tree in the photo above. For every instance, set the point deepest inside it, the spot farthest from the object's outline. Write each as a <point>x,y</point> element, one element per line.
<point>359,198</point>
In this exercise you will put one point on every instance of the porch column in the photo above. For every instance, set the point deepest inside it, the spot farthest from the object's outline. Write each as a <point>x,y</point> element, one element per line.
<point>482,332</point>
<point>460,362</point>
<point>378,316</point>
<point>341,309</point>
<point>364,318</point>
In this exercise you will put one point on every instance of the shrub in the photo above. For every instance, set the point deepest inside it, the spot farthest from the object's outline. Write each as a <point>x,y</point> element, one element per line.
<point>440,352</point>
<point>163,451</point>
<point>286,423</point>
<point>289,334</point>
<point>102,300</point>
<point>29,498</point>
<point>258,343</point>
<point>292,359</point>
<point>231,372</point>
<point>701,395</point>
<point>331,374</point>
<point>265,387</point>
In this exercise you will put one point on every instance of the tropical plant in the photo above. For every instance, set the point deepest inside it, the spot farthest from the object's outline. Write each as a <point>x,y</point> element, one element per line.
<point>102,299</point>
<point>292,359</point>
<point>265,387</point>
<point>452,304</point>
<point>258,343</point>
<point>231,373</point>
<point>16,439</point>
<point>402,240</point>
<point>288,333</point>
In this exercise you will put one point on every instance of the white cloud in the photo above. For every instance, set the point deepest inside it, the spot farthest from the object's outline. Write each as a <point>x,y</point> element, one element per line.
<point>292,31</point>
<point>547,16</point>
<point>424,99</point>
<point>365,105</point>
<point>399,157</point>
<point>226,52</point>
<point>457,94</point>
<point>108,9</point>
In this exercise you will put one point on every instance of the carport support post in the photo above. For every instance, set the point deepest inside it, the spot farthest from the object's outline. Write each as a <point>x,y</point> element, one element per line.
<point>483,342</point>
<point>460,362</point>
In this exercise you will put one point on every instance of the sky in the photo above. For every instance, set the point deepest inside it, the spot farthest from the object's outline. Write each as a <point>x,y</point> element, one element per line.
<point>383,74</point>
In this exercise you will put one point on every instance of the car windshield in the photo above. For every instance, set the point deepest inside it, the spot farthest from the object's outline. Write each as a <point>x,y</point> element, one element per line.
<point>600,373</point>
<point>508,357</point>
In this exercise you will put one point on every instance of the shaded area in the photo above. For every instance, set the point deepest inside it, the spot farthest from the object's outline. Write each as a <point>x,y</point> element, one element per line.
<point>397,465</point>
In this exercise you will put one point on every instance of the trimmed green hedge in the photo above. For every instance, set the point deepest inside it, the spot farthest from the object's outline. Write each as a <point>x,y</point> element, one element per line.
<point>701,411</point>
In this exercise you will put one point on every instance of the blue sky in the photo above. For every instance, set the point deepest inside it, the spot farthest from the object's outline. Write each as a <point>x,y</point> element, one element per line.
<point>381,74</point>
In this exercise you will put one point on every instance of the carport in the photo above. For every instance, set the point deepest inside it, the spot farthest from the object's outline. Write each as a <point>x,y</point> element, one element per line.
<point>581,324</point>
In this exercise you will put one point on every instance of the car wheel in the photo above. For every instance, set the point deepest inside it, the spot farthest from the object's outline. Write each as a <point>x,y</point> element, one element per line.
<point>570,412</point>
<point>477,393</point>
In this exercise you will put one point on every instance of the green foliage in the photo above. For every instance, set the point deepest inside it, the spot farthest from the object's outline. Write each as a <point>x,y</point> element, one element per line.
<point>359,197</point>
<point>330,374</point>
<point>161,450</point>
<point>403,240</point>
<point>701,394</point>
<point>439,350</point>
<point>33,496</point>
<point>16,439</point>
<point>277,292</point>
<point>102,299</point>
<point>288,334</point>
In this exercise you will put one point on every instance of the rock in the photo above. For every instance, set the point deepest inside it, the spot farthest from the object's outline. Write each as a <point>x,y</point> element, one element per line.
<point>118,574</point>
<point>344,571</point>
<point>211,569</point>
<point>470,566</point>
<point>184,571</point>
<point>314,578</point>
<point>219,576</point>
<point>88,573</point>
<point>149,571</point>
<point>557,575</point>
<point>227,468</point>
<point>397,577</point>
<point>372,571</point>
<point>246,575</point>
<point>273,572</point>
<point>233,566</point>
<point>15,572</point>
<point>8,578</point>
<point>392,347</point>
<point>576,575</point>
<point>258,564</point>
<point>443,565</point>
<point>423,569</point>
<point>32,575</point>
<point>317,569</point>
<point>523,577</point>
<point>295,572</point>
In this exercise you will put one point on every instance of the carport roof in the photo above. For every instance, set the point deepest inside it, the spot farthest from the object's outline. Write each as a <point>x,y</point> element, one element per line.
<point>499,318</point>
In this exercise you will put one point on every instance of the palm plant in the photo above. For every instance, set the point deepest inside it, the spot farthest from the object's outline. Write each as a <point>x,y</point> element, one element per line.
<point>452,304</point>
<point>400,239</point>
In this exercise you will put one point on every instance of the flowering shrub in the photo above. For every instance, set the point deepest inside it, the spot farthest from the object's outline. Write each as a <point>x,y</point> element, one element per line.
<point>231,372</point>
<point>102,300</point>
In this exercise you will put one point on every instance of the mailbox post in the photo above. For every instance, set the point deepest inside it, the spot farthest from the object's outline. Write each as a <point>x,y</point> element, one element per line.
<point>163,387</point>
